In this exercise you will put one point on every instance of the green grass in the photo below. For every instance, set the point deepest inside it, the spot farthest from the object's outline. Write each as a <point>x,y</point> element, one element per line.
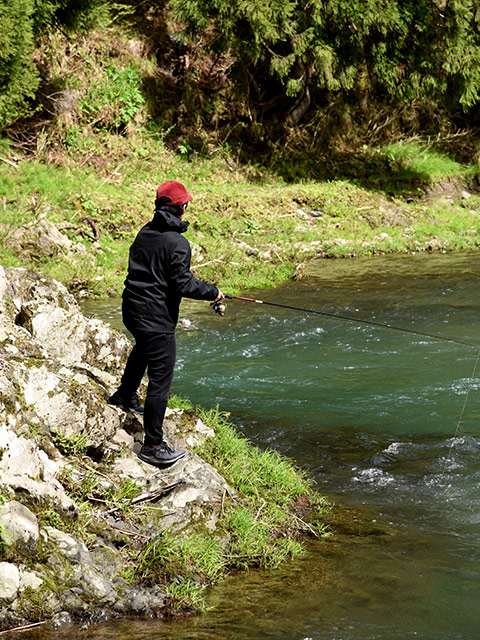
<point>198,556</point>
<point>70,445</point>
<point>185,595</point>
<point>256,474</point>
<point>422,160</point>
<point>259,526</point>
<point>249,229</point>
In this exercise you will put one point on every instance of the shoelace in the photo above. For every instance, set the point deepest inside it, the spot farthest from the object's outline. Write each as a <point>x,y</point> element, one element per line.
<point>166,448</point>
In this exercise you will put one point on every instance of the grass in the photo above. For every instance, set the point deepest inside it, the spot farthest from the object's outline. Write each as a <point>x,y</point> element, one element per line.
<point>256,474</point>
<point>185,595</point>
<point>422,160</point>
<point>70,445</point>
<point>249,229</point>
<point>259,526</point>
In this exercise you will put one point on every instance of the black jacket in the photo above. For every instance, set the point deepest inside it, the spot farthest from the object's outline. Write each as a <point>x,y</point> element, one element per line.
<point>159,276</point>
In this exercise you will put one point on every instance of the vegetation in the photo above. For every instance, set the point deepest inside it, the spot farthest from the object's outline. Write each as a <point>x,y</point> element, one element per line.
<point>118,97</point>
<point>259,527</point>
<point>248,228</point>
<point>264,522</point>
<point>289,57</point>
<point>303,130</point>
<point>248,72</point>
<point>247,222</point>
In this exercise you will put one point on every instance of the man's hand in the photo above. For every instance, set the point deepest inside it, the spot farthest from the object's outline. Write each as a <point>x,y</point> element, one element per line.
<point>220,296</point>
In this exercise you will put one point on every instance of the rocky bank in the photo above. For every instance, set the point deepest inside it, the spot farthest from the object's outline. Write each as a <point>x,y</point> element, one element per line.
<point>60,443</point>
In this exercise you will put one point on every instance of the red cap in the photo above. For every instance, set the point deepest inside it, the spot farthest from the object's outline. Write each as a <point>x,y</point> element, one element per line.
<point>175,191</point>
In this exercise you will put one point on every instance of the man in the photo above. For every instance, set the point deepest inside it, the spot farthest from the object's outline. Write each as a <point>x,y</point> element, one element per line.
<point>158,277</point>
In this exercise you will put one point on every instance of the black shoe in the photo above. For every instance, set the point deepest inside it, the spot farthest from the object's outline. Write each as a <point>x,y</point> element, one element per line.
<point>130,404</point>
<point>160,455</point>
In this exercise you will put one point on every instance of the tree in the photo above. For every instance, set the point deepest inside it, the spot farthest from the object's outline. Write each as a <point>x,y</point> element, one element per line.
<point>22,23</point>
<point>307,52</point>
<point>19,77</point>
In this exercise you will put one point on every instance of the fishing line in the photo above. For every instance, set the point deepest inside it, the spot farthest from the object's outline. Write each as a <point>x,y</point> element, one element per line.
<point>219,308</point>
<point>460,418</point>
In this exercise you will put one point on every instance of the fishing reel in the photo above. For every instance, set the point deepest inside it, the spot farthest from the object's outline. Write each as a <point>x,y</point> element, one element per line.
<point>219,307</point>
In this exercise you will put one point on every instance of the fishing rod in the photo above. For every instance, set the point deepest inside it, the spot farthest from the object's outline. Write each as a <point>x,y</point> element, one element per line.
<point>221,308</point>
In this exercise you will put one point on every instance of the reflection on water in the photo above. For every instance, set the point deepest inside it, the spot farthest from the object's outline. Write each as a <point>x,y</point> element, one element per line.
<point>371,414</point>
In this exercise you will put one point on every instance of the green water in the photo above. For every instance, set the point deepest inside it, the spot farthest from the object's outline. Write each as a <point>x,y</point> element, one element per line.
<point>371,414</point>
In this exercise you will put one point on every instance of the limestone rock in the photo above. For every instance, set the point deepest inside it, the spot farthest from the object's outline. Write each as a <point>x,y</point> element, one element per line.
<point>53,319</point>
<point>76,571</point>
<point>9,581</point>
<point>35,476</point>
<point>56,370</point>
<point>19,527</point>
<point>29,580</point>
<point>41,238</point>
<point>75,552</point>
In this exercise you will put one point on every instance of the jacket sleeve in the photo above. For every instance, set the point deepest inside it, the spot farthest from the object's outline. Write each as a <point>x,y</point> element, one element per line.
<point>183,279</point>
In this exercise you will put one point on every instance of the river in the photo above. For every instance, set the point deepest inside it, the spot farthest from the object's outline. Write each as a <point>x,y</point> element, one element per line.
<point>372,414</point>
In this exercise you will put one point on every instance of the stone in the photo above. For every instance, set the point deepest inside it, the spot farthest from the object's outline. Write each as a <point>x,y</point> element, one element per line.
<point>9,581</point>
<point>42,237</point>
<point>130,467</point>
<point>53,319</point>
<point>29,579</point>
<point>67,546</point>
<point>122,437</point>
<point>62,619</point>
<point>191,434</point>
<point>36,476</point>
<point>95,586</point>
<point>19,527</point>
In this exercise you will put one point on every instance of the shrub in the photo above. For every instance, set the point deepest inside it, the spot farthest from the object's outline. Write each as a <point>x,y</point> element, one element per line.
<point>19,77</point>
<point>115,100</point>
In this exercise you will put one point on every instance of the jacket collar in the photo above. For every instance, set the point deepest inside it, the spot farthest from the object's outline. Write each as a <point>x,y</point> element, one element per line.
<point>165,220</point>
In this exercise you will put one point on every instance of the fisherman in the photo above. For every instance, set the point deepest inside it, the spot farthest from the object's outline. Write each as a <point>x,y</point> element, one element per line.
<point>158,277</point>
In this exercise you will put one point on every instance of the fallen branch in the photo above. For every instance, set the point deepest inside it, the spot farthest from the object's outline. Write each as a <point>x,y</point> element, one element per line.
<point>204,264</point>
<point>259,511</point>
<point>149,495</point>
<point>134,534</point>
<point>10,162</point>
<point>23,628</point>
<point>307,526</point>
<point>96,232</point>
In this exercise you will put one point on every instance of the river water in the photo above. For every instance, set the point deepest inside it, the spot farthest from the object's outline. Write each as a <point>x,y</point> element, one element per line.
<point>386,422</point>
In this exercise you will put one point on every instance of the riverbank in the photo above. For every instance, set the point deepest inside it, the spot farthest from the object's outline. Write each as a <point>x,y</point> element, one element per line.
<point>73,215</point>
<point>89,531</point>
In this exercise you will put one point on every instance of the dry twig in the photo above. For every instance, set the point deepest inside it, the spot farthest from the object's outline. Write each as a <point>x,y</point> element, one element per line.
<point>23,628</point>
<point>150,495</point>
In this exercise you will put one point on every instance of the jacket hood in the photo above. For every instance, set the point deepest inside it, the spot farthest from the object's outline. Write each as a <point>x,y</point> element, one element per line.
<point>165,220</point>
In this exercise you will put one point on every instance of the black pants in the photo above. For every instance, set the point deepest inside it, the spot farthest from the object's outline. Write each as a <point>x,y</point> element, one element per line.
<point>156,353</point>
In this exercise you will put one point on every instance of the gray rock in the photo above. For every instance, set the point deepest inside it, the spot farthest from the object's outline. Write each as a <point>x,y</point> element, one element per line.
<point>95,587</point>
<point>36,476</point>
<point>41,237</point>
<point>53,319</point>
<point>67,546</point>
<point>9,581</point>
<point>62,619</point>
<point>19,527</point>
<point>29,580</point>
